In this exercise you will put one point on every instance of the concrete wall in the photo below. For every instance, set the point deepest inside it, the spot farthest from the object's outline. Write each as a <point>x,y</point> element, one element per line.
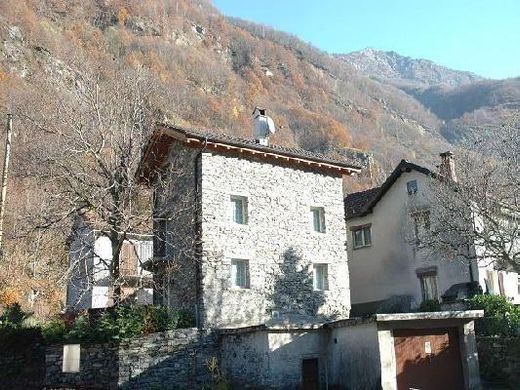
<point>354,357</point>
<point>272,359</point>
<point>388,267</point>
<point>277,240</point>
<point>178,357</point>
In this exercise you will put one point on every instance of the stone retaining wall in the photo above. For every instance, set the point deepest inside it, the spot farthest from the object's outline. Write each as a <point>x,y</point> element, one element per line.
<point>499,360</point>
<point>174,359</point>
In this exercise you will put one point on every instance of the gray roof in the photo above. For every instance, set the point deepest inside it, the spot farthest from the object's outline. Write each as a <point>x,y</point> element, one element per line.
<point>343,159</point>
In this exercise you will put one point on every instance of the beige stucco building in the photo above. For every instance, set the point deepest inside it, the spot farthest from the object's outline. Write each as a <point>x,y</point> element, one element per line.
<point>389,270</point>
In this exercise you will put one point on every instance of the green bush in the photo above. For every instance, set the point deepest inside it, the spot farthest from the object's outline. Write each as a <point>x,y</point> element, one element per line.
<point>13,316</point>
<point>501,317</point>
<point>429,306</point>
<point>115,324</point>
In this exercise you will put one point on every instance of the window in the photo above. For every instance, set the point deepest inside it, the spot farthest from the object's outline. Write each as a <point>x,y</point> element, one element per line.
<point>411,187</point>
<point>318,219</point>
<point>321,277</point>
<point>362,236</point>
<point>240,273</point>
<point>159,238</point>
<point>239,209</point>
<point>421,221</point>
<point>428,279</point>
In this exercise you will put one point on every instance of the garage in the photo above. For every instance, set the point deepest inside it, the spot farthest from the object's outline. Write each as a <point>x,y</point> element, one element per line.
<point>428,359</point>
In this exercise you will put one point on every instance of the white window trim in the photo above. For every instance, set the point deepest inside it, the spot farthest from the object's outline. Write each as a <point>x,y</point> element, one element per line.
<point>245,209</point>
<point>314,279</point>
<point>323,222</point>
<point>248,275</point>
<point>361,228</point>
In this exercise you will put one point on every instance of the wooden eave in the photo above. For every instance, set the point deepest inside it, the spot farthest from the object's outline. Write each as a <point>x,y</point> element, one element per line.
<point>158,146</point>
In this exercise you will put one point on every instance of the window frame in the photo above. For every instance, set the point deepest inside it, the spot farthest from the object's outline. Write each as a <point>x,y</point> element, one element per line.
<point>245,209</point>
<point>362,229</point>
<point>234,274</point>
<point>421,224</point>
<point>412,187</point>
<point>320,211</point>
<point>428,273</point>
<point>320,285</point>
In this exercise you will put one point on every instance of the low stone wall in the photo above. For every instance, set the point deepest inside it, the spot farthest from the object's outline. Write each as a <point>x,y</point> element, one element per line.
<point>174,359</point>
<point>22,360</point>
<point>499,360</point>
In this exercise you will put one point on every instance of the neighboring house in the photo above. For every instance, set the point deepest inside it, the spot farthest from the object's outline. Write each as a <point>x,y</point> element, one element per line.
<point>388,267</point>
<point>90,255</point>
<point>247,231</point>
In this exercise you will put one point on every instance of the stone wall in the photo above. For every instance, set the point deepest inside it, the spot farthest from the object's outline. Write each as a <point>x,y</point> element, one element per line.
<point>160,360</point>
<point>22,360</point>
<point>277,240</point>
<point>499,360</point>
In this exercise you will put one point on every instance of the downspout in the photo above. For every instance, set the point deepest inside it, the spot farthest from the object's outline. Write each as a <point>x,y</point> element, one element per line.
<point>198,237</point>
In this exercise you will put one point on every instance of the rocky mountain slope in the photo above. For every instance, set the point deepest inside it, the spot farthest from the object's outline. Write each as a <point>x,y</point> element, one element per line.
<point>399,70</point>
<point>465,103</point>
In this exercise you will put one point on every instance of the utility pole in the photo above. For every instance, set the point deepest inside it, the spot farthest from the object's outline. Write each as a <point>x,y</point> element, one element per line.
<point>5,174</point>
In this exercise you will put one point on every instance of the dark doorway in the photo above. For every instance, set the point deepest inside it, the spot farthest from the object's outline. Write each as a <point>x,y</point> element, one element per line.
<point>310,374</point>
<point>428,359</point>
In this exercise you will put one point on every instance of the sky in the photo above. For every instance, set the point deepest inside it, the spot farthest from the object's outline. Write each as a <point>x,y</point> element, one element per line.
<point>481,36</point>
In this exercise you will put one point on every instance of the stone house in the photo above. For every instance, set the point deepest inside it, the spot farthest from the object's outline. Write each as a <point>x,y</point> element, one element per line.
<point>90,254</point>
<point>251,237</point>
<point>246,231</point>
<point>384,250</point>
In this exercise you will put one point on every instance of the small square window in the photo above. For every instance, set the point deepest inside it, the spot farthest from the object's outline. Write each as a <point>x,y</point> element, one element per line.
<point>422,224</point>
<point>318,219</point>
<point>239,209</point>
<point>362,236</point>
<point>411,187</point>
<point>240,273</point>
<point>321,277</point>
<point>429,287</point>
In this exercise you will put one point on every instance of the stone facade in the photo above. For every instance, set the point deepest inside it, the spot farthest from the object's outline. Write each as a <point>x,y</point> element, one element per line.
<point>278,240</point>
<point>175,358</point>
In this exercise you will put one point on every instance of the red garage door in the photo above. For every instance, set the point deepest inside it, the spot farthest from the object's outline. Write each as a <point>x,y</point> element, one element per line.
<point>428,359</point>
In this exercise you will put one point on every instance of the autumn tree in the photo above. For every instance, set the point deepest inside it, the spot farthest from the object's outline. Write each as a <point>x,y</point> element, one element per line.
<point>90,149</point>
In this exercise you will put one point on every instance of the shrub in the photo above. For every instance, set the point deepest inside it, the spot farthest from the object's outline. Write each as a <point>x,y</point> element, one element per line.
<point>13,316</point>
<point>429,306</point>
<point>501,317</point>
<point>115,324</point>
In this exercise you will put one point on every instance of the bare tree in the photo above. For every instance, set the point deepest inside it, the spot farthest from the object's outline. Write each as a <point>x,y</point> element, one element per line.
<point>89,152</point>
<point>475,214</point>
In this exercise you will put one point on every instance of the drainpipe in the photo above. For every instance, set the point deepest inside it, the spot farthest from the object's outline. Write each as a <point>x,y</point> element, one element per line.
<point>198,238</point>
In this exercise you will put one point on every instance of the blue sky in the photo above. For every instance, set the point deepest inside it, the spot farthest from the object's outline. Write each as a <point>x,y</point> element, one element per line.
<point>482,36</point>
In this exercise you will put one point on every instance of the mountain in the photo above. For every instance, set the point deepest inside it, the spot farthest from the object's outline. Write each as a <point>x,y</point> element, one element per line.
<point>463,102</point>
<point>394,68</point>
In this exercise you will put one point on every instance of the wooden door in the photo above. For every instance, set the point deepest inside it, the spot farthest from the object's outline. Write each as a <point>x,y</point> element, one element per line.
<point>310,374</point>
<point>428,359</point>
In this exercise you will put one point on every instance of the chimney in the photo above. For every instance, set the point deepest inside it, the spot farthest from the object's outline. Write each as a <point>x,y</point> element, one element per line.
<point>263,126</point>
<point>447,167</point>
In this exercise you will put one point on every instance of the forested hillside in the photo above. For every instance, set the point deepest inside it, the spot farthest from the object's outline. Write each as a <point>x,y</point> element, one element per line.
<point>203,70</point>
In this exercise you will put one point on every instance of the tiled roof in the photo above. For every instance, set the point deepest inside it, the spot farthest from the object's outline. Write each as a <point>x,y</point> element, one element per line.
<point>214,136</point>
<point>356,202</point>
<point>361,203</point>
